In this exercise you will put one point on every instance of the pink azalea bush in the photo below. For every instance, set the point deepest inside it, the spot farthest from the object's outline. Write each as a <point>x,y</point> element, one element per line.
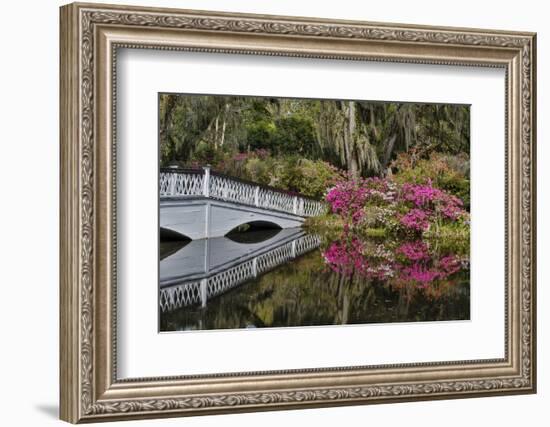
<point>409,264</point>
<point>404,258</point>
<point>346,257</point>
<point>415,206</point>
<point>415,219</point>
<point>426,272</point>
<point>418,274</point>
<point>348,198</point>
<point>432,199</point>
<point>414,251</point>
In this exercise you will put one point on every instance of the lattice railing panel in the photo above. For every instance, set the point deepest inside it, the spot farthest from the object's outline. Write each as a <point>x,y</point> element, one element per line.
<point>230,278</point>
<point>174,184</point>
<point>181,184</point>
<point>180,295</point>
<point>274,258</point>
<point>274,200</point>
<point>312,208</point>
<point>231,190</point>
<point>190,293</point>
<point>307,243</point>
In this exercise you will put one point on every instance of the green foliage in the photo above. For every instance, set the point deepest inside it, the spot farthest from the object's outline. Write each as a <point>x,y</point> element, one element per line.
<point>282,136</point>
<point>260,134</point>
<point>443,237</point>
<point>450,237</point>
<point>443,128</point>
<point>294,135</point>
<point>329,226</point>
<point>309,177</point>
<point>448,172</point>
<point>205,154</point>
<point>308,139</point>
<point>293,173</point>
<point>260,171</point>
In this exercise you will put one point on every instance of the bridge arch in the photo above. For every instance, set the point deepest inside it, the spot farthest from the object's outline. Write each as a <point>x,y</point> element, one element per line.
<point>225,217</point>
<point>169,234</point>
<point>254,232</point>
<point>202,218</point>
<point>255,226</point>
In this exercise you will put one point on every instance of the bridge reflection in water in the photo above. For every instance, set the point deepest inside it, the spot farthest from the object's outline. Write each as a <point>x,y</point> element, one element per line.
<point>203,269</point>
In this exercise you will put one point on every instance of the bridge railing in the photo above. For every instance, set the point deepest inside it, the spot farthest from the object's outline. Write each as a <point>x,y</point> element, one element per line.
<point>205,183</point>
<point>199,291</point>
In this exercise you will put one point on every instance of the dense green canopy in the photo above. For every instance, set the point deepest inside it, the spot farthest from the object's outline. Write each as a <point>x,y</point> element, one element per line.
<point>359,137</point>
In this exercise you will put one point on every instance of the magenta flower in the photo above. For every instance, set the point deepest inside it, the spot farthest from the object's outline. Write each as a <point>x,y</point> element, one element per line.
<point>415,219</point>
<point>420,195</point>
<point>414,251</point>
<point>418,273</point>
<point>449,264</point>
<point>346,257</point>
<point>433,199</point>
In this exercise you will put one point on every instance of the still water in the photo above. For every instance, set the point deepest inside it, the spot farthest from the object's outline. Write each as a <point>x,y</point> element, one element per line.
<point>276,278</point>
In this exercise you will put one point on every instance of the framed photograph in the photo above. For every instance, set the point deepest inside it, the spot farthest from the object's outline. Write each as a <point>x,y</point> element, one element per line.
<point>266,212</point>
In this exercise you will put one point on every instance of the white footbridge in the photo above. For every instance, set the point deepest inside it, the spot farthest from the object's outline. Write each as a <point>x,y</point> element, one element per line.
<point>203,204</point>
<point>205,268</point>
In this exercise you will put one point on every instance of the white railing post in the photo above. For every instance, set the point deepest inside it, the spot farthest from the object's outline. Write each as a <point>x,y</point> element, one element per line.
<point>295,205</point>
<point>255,266</point>
<point>206,183</point>
<point>173,178</point>
<point>257,196</point>
<point>204,296</point>
<point>293,249</point>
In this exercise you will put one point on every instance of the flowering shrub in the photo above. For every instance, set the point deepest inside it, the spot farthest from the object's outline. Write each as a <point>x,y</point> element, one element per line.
<point>375,201</point>
<point>404,258</point>
<point>432,199</point>
<point>414,251</point>
<point>424,272</point>
<point>408,264</point>
<point>345,257</point>
<point>450,173</point>
<point>415,219</point>
<point>347,199</point>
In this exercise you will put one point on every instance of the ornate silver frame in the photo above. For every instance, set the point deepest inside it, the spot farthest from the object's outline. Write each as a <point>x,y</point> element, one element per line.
<point>90,36</point>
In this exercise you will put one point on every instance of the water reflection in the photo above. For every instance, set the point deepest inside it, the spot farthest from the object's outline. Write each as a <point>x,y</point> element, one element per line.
<point>170,247</point>
<point>205,258</point>
<point>253,236</point>
<point>331,281</point>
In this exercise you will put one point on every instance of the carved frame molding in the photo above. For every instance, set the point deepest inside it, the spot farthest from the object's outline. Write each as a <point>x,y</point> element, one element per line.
<point>90,37</point>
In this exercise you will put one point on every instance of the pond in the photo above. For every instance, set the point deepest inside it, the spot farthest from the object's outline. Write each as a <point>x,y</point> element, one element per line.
<point>282,278</point>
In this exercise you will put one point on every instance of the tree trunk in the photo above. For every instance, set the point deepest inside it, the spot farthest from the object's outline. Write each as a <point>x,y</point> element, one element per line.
<point>224,124</point>
<point>389,145</point>
<point>216,132</point>
<point>353,167</point>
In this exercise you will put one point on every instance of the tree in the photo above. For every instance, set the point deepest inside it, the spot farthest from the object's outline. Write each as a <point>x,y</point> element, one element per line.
<point>360,137</point>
